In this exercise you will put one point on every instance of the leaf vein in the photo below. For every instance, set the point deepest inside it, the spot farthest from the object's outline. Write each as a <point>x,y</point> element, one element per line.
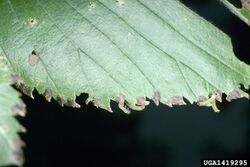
<point>185,79</point>
<point>182,35</point>
<point>151,42</point>
<point>43,65</point>
<point>80,49</point>
<point>115,44</point>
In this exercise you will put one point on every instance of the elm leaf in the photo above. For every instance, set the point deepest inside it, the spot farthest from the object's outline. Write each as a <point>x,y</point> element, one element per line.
<point>126,51</point>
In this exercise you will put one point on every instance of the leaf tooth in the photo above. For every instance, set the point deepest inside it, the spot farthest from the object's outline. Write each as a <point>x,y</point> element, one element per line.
<point>121,104</point>
<point>124,108</point>
<point>102,103</point>
<point>120,99</point>
<point>48,95</point>
<point>140,105</point>
<point>60,100</point>
<point>236,94</point>
<point>22,130</point>
<point>209,102</point>
<point>20,84</point>
<point>218,95</point>
<point>19,109</point>
<point>17,155</point>
<point>175,100</point>
<point>25,89</point>
<point>110,109</point>
<point>17,143</point>
<point>89,99</point>
<point>97,102</point>
<point>141,101</point>
<point>156,98</point>
<point>107,108</point>
<point>18,158</point>
<point>72,103</point>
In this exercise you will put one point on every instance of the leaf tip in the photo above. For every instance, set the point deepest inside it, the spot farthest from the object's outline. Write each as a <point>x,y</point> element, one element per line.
<point>48,95</point>
<point>156,98</point>
<point>211,101</point>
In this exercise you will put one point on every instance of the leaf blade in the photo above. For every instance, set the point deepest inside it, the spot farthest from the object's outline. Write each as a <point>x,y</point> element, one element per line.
<point>125,50</point>
<point>10,106</point>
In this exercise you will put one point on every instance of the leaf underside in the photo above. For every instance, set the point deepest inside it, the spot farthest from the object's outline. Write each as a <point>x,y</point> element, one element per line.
<point>123,50</point>
<point>10,106</point>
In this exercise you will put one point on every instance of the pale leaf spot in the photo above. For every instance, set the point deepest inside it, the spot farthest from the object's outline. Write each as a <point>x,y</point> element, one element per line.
<point>33,58</point>
<point>32,22</point>
<point>91,6</point>
<point>120,2</point>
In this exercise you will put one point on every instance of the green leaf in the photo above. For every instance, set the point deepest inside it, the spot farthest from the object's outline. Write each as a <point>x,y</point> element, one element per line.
<point>243,13</point>
<point>10,106</point>
<point>121,50</point>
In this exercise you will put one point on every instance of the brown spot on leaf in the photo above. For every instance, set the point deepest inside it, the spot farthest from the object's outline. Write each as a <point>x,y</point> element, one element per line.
<point>176,100</point>
<point>33,58</point>
<point>156,98</point>
<point>246,4</point>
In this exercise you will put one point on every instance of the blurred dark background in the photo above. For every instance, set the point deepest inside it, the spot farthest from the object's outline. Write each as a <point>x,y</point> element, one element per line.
<point>156,137</point>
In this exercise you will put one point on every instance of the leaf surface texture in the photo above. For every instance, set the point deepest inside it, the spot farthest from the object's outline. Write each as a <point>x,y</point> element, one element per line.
<point>122,50</point>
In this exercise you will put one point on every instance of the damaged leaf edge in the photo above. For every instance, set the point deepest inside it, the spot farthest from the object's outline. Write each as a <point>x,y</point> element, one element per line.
<point>142,102</point>
<point>17,109</point>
